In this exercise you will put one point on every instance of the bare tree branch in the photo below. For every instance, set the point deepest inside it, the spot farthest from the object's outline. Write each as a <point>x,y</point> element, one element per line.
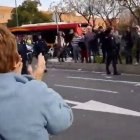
<point>133,6</point>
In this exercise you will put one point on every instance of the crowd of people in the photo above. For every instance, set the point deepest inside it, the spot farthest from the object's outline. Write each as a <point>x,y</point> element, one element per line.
<point>28,49</point>
<point>93,43</point>
<point>108,44</point>
<point>93,46</point>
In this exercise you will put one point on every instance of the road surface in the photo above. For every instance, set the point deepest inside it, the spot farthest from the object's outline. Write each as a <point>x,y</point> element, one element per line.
<point>104,107</point>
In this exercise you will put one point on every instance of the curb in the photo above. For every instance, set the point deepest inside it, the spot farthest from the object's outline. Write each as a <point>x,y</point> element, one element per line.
<point>128,69</point>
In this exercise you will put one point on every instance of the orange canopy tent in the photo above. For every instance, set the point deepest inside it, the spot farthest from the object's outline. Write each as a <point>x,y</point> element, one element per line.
<point>46,27</point>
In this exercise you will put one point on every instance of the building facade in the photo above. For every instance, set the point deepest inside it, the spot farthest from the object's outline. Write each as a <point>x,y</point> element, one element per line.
<point>5,14</point>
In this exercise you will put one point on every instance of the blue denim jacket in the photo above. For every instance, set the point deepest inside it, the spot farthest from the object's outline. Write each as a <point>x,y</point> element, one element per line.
<point>29,110</point>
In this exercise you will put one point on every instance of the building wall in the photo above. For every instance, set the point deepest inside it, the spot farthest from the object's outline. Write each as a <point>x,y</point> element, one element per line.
<point>5,14</point>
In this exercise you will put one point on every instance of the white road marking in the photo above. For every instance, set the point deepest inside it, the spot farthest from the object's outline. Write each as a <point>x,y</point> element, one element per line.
<point>73,102</point>
<point>137,75</point>
<point>108,77</point>
<point>67,70</point>
<point>103,80</point>
<point>125,74</point>
<point>71,70</point>
<point>83,88</point>
<point>137,85</point>
<point>102,107</point>
<point>97,72</point>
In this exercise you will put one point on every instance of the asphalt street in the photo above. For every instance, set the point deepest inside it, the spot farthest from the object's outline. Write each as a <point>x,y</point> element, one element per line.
<point>104,107</point>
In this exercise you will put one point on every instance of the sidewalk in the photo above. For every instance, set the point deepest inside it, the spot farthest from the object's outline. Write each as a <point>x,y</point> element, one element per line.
<point>69,64</point>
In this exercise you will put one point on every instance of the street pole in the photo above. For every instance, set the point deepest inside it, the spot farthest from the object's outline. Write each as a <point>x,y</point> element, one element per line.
<point>56,18</point>
<point>16,13</point>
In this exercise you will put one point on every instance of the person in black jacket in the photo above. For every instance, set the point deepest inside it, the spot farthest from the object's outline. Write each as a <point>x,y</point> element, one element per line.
<point>129,45</point>
<point>101,36</point>
<point>111,50</point>
<point>22,50</point>
<point>41,47</point>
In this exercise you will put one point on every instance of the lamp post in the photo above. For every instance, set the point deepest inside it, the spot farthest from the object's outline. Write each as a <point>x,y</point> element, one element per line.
<point>56,18</point>
<point>16,13</point>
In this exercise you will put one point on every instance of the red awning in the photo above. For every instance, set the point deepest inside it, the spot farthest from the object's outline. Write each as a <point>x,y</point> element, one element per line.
<point>39,27</point>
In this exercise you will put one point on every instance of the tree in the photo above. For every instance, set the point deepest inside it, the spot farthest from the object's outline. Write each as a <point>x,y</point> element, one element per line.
<point>28,13</point>
<point>133,6</point>
<point>108,10</point>
<point>83,8</point>
<point>59,9</point>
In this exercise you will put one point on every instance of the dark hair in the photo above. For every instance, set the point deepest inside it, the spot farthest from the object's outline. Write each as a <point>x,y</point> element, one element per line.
<point>108,30</point>
<point>100,27</point>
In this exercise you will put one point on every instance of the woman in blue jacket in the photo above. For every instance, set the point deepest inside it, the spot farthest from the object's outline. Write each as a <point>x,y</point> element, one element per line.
<point>29,110</point>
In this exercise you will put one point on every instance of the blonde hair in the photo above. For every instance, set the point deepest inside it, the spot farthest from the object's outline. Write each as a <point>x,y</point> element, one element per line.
<point>8,50</point>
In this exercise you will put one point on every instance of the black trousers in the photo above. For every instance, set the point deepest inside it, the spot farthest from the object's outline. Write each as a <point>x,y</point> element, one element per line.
<point>24,68</point>
<point>104,54</point>
<point>118,54</point>
<point>29,57</point>
<point>138,55</point>
<point>128,55</point>
<point>111,58</point>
